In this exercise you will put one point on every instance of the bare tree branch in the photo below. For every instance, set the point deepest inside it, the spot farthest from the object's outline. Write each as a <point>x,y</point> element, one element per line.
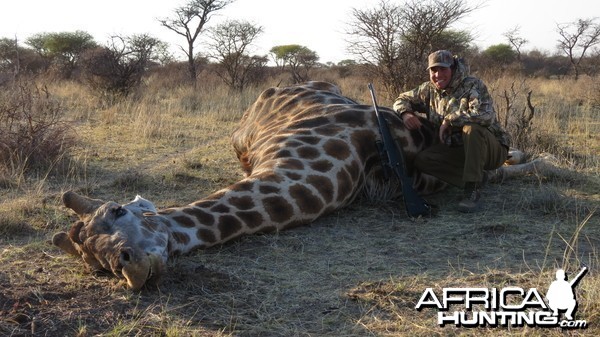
<point>576,39</point>
<point>515,40</point>
<point>395,39</point>
<point>189,21</point>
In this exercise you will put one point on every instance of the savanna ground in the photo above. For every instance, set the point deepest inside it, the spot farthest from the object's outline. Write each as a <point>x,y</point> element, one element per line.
<point>357,272</point>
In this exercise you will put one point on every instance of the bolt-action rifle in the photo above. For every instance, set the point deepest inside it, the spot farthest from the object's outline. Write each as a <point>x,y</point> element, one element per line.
<point>573,283</point>
<point>393,159</point>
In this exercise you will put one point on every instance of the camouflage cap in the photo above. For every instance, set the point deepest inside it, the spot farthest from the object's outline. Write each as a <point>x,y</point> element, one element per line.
<point>440,58</point>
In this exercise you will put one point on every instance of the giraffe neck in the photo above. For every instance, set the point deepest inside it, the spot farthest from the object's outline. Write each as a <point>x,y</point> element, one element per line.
<point>264,204</point>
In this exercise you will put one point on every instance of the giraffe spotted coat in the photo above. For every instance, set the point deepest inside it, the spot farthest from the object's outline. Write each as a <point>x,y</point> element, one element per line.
<point>306,150</point>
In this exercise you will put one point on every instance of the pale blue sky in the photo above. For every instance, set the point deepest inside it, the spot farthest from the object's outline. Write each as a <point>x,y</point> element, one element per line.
<point>316,24</point>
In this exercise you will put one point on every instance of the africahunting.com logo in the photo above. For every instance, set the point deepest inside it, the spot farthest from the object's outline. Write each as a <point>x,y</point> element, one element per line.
<point>509,306</point>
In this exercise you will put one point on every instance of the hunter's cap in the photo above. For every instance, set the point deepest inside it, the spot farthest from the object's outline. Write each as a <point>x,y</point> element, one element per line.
<point>440,58</point>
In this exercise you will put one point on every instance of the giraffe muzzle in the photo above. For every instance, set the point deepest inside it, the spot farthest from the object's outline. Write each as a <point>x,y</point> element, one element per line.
<point>140,268</point>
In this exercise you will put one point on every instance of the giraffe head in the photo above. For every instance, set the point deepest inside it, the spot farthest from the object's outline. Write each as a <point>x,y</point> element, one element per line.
<point>127,240</point>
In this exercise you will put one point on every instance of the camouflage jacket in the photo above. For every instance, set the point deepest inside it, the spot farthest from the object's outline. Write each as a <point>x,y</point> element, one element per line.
<point>465,100</point>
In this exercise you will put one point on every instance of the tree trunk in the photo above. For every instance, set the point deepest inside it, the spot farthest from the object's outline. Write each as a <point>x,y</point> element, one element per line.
<point>192,63</point>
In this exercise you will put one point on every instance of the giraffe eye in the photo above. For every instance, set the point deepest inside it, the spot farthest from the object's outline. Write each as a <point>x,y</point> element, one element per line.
<point>119,211</point>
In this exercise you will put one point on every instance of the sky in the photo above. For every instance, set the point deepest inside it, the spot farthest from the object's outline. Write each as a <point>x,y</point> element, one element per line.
<point>319,25</point>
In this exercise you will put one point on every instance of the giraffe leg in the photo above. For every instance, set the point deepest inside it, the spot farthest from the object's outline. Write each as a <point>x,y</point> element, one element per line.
<point>544,164</point>
<point>83,206</point>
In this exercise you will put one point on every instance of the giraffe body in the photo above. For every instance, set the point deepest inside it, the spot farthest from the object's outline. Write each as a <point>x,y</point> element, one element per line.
<point>306,150</point>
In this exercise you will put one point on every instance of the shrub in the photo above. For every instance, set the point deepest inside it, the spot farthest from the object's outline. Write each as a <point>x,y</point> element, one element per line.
<point>33,135</point>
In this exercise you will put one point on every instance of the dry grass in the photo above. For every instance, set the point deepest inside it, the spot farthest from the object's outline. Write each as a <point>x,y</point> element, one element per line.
<point>357,272</point>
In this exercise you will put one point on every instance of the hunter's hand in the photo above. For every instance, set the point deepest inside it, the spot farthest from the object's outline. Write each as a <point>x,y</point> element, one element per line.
<point>411,121</point>
<point>444,131</point>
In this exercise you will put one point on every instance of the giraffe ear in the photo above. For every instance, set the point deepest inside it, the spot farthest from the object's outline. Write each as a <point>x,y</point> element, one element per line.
<point>83,206</point>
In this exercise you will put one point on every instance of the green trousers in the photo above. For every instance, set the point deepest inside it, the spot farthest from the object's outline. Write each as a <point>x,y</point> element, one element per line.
<point>460,164</point>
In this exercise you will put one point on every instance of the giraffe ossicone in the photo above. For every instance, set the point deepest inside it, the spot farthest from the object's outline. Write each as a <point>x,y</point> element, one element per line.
<point>306,151</point>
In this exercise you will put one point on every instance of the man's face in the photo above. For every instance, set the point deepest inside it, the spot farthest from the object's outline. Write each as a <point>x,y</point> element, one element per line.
<point>440,76</point>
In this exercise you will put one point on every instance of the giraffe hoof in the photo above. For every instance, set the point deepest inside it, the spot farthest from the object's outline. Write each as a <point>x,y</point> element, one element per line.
<point>62,241</point>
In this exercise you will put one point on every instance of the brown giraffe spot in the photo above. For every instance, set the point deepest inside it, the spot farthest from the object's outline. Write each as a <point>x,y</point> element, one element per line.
<point>328,130</point>
<point>323,185</point>
<point>312,123</point>
<point>283,154</point>
<point>291,143</point>
<point>363,143</point>
<point>242,186</point>
<point>312,140</point>
<point>279,209</point>
<point>206,235</point>
<point>292,164</point>
<point>337,149</point>
<point>305,199</point>
<point>352,118</point>
<point>293,176</point>
<point>308,152</point>
<point>203,217</point>
<point>220,208</point>
<point>321,165</point>
<point>266,189</point>
<point>185,221</point>
<point>250,218</point>
<point>229,225</point>
<point>242,203</point>
<point>304,133</point>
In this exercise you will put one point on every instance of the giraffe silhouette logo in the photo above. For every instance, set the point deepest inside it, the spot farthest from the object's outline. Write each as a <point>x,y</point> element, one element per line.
<point>561,294</point>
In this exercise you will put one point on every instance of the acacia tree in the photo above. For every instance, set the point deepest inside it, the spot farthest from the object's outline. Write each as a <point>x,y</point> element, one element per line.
<point>576,39</point>
<point>189,21</point>
<point>9,56</point>
<point>298,58</point>
<point>497,58</point>
<point>62,49</point>
<point>458,41</point>
<point>395,39</point>
<point>230,44</point>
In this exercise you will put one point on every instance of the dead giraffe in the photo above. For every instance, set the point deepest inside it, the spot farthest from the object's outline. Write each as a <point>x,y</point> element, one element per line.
<point>306,151</point>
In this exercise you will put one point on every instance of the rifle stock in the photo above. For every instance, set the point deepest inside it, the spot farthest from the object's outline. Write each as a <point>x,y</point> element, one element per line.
<point>393,159</point>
